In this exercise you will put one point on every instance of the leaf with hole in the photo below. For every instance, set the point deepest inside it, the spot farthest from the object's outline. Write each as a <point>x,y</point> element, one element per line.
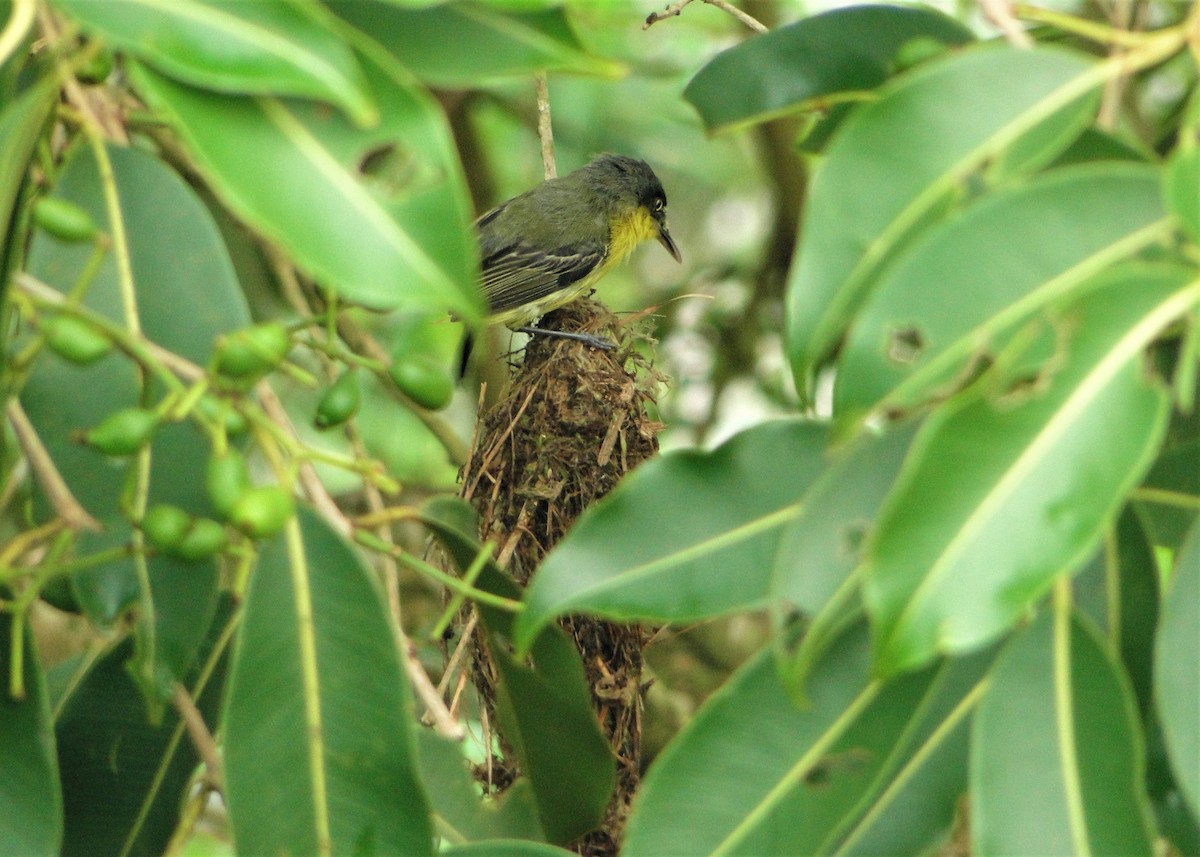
<point>960,288</point>
<point>379,216</point>
<point>1005,489</point>
<point>898,162</point>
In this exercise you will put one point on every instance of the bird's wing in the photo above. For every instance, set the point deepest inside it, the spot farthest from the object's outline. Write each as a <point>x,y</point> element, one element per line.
<point>518,273</point>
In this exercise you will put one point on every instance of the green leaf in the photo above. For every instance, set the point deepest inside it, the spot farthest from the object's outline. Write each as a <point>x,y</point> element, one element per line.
<point>1118,592</point>
<point>319,707</point>
<point>186,294</point>
<point>1176,677</point>
<point>1056,754</point>
<point>812,63</point>
<point>123,778</point>
<point>1007,489</point>
<point>1181,189</point>
<point>958,288</point>
<point>235,47</point>
<point>864,768</point>
<point>818,550</point>
<point>545,711</point>
<point>896,162</point>
<point>31,807</point>
<point>459,45</point>
<point>379,216</point>
<point>461,814</point>
<point>1175,471</point>
<point>21,124</point>
<point>687,535</point>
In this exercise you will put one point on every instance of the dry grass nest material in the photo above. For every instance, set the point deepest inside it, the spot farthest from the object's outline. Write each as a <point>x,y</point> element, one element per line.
<point>575,420</point>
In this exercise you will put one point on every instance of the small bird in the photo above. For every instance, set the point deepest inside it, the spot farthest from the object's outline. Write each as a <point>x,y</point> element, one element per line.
<point>551,244</point>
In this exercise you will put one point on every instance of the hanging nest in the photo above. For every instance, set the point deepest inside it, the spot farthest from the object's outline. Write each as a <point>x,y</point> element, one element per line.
<point>574,421</point>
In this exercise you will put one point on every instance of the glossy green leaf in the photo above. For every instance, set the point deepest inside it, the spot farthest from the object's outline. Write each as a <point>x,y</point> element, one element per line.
<point>1175,471</point>
<point>1118,592</point>
<point>21,124</point>
<point>818,550</point>
<point>864,768</point>
<point>1056,754</point>
<point>1181,189</point>
<point>545,710</point>
<point>958,288</point>
<point>460,813</point>
<point>235,47</point>
<point>1005,490</point>
<point>124,778</point>
<point>186,294</point>
<point>687,535</point>
<point>31,809</point>
<point>812,63</point>
<point>318,706</point>
<point>379,216</point>
<point>459,45</point>
<point>1176,679</point>
<point>896,162</point>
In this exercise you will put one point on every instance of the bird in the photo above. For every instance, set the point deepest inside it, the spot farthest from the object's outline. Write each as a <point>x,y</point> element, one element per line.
<point>553,243</point>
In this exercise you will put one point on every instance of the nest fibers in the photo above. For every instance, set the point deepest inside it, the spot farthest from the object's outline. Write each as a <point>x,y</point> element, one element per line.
<point>574,421</point>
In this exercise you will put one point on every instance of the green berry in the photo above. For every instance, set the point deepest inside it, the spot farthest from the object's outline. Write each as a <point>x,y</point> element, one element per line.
<point>423,380</point>
<point>64,219</point>
<point>75,340</point>
<point>248,354</point>
<point>340,402</point>
<point>123,432</point>
<point>203,539</point>
<point>227,478</point>
<point>262,512</point>
<point>165,526</point>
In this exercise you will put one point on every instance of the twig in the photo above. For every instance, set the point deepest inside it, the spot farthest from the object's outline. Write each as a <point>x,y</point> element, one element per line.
<point>545,131</point>
<point>1000,13</point>
<point>676,9</point>
<point>443,721</point>
<point>307,473</point>
<point>201,738</point>
<point>47,475</point>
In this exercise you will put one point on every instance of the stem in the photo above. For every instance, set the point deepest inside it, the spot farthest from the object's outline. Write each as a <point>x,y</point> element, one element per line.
<point>44,470</point>
<point>449,581</point>
<point>545,131</point>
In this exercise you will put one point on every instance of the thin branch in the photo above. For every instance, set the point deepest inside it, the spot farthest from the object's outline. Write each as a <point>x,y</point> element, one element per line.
<point>1000,14</point>
<point>307,474</point>
<point>201,738</point>
<point>676,9</point>
<point>545,131</point>
<point>47,475</point>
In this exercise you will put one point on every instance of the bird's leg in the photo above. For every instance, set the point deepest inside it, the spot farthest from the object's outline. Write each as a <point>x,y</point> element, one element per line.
<point>586,338</point>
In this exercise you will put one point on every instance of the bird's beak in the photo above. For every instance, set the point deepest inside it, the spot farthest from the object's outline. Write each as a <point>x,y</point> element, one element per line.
<point>667,241</point>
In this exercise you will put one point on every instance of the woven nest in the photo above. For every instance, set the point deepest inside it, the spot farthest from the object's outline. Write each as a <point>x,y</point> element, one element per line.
<point>574,421</point>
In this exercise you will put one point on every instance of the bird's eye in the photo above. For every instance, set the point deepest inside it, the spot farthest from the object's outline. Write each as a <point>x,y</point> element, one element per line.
<point>660,204</point>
